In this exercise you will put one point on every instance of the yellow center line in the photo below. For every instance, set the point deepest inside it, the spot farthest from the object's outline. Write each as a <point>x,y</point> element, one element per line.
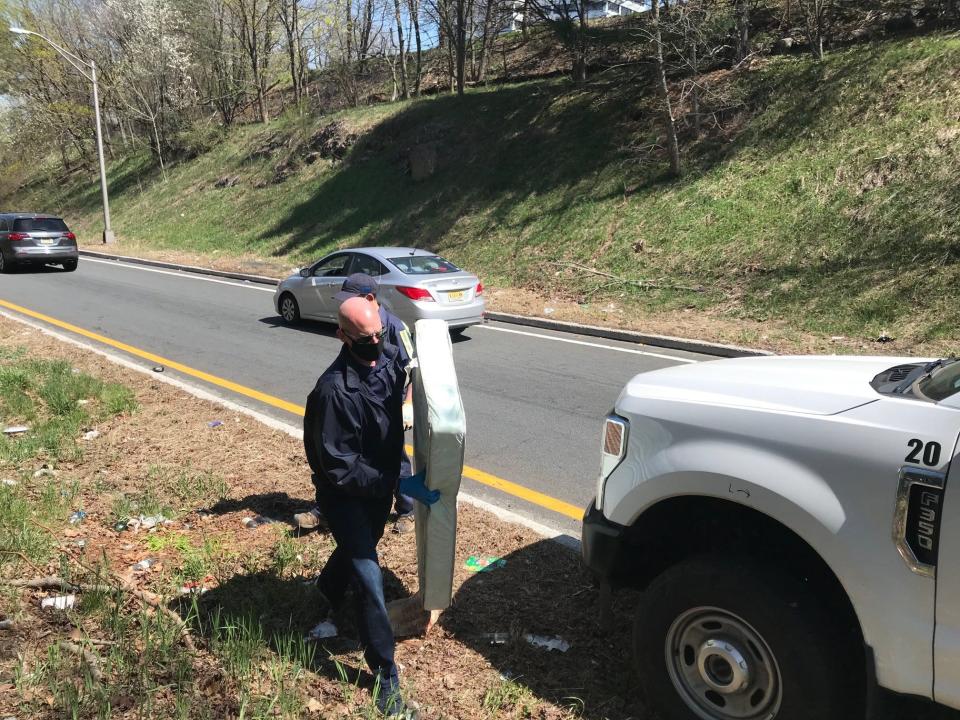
<point>511,488</point>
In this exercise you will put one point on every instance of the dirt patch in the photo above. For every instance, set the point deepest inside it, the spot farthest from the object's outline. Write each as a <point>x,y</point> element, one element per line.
<point>459,670</point>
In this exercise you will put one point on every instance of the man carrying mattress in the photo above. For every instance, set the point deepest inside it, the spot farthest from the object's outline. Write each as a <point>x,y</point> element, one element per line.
<point>398,334</point>
<point>353,437</point>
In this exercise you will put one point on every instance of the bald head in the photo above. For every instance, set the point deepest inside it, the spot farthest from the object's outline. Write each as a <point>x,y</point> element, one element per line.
<point>358,316</point>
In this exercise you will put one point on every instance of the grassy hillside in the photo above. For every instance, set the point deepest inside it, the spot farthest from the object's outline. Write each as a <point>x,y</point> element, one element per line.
<point>827,202</point>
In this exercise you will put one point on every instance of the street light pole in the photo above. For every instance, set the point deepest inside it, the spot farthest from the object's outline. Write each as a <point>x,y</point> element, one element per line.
<point>108,237</point>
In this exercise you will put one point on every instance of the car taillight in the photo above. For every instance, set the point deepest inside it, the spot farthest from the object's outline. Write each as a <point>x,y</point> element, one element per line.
<point>415,293</point>
<point>71,236</point>
<point>479,288</point>
<point>18,236</point>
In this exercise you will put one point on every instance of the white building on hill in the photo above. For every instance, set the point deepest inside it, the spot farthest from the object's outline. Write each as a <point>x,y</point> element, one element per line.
<point>595,9</point>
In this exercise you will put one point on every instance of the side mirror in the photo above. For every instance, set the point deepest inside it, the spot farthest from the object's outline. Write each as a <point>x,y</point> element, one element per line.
<point>305,272</point>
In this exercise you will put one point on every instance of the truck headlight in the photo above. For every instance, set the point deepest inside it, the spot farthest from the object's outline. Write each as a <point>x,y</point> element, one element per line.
<point>613,448</point>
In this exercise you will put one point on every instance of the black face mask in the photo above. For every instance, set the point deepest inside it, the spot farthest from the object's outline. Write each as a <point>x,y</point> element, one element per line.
<point>368,352</point>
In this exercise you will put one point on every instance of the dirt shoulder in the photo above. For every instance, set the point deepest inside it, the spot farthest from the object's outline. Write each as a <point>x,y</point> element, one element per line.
<point>212,468</point>
<point>708,326</point>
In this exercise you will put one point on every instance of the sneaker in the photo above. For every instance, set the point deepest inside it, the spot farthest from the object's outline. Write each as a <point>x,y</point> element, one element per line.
<point>309,520</point>
<point>396,708</point>
<point>404,524</point>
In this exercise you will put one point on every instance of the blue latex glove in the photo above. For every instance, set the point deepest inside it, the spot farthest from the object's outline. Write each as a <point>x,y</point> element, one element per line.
<point>415,487</point>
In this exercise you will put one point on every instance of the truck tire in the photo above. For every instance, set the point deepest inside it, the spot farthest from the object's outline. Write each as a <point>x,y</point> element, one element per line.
<point>722,639</point>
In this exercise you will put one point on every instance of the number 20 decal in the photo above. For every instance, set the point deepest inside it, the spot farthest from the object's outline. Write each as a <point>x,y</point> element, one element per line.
<point>930,452</point>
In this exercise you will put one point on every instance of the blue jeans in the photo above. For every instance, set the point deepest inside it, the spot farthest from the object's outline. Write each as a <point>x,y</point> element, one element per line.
<point>357,526</point>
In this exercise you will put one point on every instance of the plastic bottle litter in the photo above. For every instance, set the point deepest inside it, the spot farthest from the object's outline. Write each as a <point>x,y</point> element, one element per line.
<point>497,638</point>
<point>158,368</point>
<point>15,429</point>
<point>484,564</point>
<point>83,401</point>
<point>45,472</point>
<point>8,482</point>
<point>91,434</point>
<point>548,643</point>
<point>215,423</point>
<point>144,564</point>
<point>142,522</point>
<point>322,631</point>
<point>61,602</point>
<point>76,516</point>
<point>194,587</point>
<point>255,522</point>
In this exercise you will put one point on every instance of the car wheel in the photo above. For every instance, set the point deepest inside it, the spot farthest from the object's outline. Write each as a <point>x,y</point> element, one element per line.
<point>6,266</point>
<point>69,265</point>
<point>718,639</point>
<point>289,309</point>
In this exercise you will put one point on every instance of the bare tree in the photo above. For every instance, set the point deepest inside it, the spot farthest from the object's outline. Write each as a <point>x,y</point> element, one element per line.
<point>569,21</point>
<point>254,30</point>
<point>288,12</point>
<point>401,51</point>
<point>669,125</point>
<point>815,18</point>
<point>413,8</point>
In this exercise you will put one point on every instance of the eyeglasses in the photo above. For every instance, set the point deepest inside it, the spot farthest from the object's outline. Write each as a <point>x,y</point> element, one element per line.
<point>366,339</point>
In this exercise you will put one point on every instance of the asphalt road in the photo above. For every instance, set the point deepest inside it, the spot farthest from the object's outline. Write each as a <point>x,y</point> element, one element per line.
<point>534,399</point>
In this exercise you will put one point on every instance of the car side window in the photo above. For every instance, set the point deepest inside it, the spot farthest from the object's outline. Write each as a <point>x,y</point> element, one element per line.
<point>367,265</point>
<point>4,224</point>
<point>335,266</point>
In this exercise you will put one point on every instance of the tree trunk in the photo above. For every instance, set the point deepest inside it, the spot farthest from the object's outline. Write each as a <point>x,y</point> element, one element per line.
<point>743,29</point>
<point>414,7</point>
<point>156,137</point>
<point>487,40</point>
<point>402,52</point>
<point>673,147</point>
<point>461,45</point>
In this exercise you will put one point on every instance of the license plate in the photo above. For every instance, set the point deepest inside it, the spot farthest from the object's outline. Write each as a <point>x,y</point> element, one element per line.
<point>47,241</point>
<point>455,295</point>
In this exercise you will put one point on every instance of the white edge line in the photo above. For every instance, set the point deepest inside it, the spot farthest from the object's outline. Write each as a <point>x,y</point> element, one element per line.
<point>589,344</point>
<point>177,273</point>
<point>292,430</point>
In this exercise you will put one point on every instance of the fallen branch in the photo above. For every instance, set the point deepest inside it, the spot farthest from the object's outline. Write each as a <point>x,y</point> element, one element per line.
<point>644,284</point>
<point>22,557</point>
<point>93,663</point>
<point>55,583</point>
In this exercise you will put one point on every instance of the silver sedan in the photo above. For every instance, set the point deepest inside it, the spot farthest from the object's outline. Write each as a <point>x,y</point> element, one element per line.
<point>414,285</point>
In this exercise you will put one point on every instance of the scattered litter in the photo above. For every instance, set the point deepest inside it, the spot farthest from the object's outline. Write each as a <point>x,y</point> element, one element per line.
<point>194,587</point>
<point>6,624</point>
<point>497,638</point>
<point>322,631</point>
<point>837,338</point>
<point>61,602</point>
<point>215,423</point>
<point>75,371</point>
<point>884,338</point>
<point>8,482</point>
<point>484,564</point>
<point>548,643</point>
<point>549,311</point>
<point>144,564</point>
<point>15,429</point>
<point>83,401</point>
<point>142,523</point>
<point>76,516</point>
<point>81,543</point>
<point>158,368</point>
<point>255,522</point>
<point>90,435</point>
<point>45,472</point>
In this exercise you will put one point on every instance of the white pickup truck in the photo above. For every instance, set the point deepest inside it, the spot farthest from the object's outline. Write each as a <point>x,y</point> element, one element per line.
<point>789,521</point>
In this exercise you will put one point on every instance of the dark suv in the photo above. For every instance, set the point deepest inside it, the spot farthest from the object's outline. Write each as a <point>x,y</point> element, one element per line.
<point>33,238</point>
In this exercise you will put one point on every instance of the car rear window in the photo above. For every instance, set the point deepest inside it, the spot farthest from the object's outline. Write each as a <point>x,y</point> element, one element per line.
<point>39,225</point>
<point>423,265</point>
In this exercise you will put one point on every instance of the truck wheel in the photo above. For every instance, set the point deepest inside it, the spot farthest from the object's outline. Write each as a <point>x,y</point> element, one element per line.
<point>720,639</point>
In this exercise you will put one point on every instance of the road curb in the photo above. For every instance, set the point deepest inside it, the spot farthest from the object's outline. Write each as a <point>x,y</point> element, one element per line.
<point>630,336</point>
<point>259,279</point>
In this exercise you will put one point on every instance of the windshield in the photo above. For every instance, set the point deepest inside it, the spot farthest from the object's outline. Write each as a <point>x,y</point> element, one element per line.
<point>423,265</point>
<point>39,225</point>
<point>941,384</point>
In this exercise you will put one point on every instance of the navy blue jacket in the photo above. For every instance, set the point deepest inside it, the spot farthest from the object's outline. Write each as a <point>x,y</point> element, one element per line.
<point>353,425</point>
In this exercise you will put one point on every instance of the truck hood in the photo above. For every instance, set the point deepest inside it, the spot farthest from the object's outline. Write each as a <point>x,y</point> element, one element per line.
<point>816,385</point>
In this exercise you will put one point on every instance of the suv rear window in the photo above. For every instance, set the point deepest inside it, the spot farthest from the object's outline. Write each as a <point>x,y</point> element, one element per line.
<point>423,265</point>
<point>39,225</point>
